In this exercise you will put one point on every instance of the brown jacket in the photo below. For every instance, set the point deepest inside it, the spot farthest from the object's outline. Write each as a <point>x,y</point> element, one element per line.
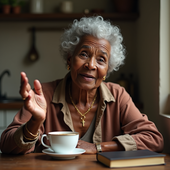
<point>117,119</point>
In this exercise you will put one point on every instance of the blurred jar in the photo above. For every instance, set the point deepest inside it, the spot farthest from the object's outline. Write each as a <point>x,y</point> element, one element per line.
<point>66,7</point>
<point>36,6</point>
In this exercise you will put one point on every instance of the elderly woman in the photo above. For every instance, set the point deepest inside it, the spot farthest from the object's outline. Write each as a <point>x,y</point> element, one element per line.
<point>103,113</point>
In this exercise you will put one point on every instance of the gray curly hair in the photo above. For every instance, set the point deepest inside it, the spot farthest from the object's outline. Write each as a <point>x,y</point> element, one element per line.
<point>98,28</point>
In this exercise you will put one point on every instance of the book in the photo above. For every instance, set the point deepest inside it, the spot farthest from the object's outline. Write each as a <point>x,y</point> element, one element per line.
<point>120,159</point>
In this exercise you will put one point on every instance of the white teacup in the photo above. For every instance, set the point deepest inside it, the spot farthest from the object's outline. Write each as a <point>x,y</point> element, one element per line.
<point>61,141</point>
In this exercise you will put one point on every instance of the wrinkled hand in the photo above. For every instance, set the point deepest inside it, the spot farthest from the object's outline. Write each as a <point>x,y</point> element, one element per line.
<point>90,148</point>
<point>34,101</point>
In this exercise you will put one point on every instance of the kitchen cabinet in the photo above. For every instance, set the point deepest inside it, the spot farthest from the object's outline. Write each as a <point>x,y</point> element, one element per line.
<point>6,117</point>
<point>7,113</point>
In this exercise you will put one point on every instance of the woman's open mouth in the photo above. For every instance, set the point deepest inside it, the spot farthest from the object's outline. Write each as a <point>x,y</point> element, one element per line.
<point>87,77</point>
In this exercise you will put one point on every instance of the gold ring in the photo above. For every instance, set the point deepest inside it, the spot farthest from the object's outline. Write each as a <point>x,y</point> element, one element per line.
<point>23,98</point>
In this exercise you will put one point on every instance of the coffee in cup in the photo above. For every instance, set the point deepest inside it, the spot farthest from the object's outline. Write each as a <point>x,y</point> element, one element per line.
<point>61,141</point>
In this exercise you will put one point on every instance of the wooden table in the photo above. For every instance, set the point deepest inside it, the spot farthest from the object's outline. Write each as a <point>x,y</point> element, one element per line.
<point>38,161</point>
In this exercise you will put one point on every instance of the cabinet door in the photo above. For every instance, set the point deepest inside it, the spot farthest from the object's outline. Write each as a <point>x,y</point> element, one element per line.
<point>10,116</point>
<point>2,121</point>
<point>6,117</point>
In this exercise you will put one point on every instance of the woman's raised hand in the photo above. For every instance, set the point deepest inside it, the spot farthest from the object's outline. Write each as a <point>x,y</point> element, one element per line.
<point>34,101</point>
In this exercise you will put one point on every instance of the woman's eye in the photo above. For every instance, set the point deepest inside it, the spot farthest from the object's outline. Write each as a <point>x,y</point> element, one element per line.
<point>101,59</point>
<point>83,54</point>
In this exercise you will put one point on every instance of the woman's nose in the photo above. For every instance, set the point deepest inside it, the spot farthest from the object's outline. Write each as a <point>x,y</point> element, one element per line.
<point>91,64</point>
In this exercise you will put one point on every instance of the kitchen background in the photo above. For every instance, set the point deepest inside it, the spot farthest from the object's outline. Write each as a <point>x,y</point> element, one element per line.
<point>141,39</point>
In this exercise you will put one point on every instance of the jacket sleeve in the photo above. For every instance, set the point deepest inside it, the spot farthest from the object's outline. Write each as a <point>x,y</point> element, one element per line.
<point>12,138</point>
<point>137,128</point>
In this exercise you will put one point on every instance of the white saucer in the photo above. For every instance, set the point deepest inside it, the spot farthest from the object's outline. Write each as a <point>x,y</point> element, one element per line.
<point>72,155</point>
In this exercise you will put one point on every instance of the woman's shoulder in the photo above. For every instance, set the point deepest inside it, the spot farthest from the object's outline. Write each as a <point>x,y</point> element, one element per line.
<point>116,90</point>
<point>119,93</point>
<point>113,86</point>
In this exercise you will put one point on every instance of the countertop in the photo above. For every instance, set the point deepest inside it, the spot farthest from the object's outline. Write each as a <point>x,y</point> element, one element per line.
<point>11,105</point>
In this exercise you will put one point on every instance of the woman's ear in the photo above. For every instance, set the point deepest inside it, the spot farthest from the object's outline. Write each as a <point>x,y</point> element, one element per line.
<point>69,60</point>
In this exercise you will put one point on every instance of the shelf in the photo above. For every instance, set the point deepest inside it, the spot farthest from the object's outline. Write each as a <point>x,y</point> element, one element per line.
<point>11,106</point>
<point>65,17</point>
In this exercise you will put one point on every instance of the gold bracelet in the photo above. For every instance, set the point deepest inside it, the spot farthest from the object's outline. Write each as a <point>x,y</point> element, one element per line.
<point>29,138</point>
<point>30,132</point>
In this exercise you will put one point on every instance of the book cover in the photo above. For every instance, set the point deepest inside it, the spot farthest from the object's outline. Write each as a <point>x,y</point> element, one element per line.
<point>130,158</point>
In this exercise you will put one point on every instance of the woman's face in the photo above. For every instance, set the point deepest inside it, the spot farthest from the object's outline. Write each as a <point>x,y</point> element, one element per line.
<point>89,63</point>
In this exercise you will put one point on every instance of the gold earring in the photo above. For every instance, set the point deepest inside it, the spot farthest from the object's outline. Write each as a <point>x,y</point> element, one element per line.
<point>104,77</point>
<point>68,67</point>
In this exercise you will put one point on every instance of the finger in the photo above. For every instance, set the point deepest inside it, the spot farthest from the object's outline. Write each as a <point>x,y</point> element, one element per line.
<point>38,87</point>
<point>23,75</point>
<point>25,86</point>
<point>78,146</point>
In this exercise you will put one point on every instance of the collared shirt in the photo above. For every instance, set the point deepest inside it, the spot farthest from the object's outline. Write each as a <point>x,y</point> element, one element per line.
<point>59,97</point>
<point>117,118</point>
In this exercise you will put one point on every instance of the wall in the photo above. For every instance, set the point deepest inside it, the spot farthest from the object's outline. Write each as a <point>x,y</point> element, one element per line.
<point>164,73</point>
<point>15,43</point>
<point>147,28</point>
<point>148,43</point>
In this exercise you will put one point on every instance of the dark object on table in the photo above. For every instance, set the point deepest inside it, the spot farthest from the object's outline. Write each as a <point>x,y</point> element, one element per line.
<point>130,158</point>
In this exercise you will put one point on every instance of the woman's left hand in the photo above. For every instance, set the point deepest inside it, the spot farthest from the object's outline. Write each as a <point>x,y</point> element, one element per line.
<point>90,148</point>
